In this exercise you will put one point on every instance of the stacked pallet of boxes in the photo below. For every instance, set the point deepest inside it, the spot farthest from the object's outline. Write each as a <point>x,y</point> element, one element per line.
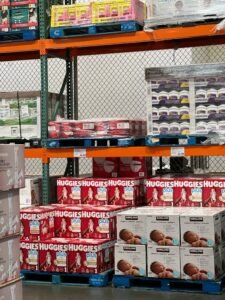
<point>77,234</point>
<point>178,12</point>
<point>170,243</point>
<point>127,14</point>
<point>11,180</point>
<point>17,15</point>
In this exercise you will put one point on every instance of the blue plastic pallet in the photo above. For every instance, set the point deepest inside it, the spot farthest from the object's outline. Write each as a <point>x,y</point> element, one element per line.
<point>170,285</point>
<point>73,279</point>
<point>20,35</point>
<point>108,28</point>
<point>169,140</point>
<point>94,142</point>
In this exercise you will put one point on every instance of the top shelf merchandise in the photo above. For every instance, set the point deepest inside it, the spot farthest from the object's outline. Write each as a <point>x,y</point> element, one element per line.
<point>186,100</point>
<point>177,12</point>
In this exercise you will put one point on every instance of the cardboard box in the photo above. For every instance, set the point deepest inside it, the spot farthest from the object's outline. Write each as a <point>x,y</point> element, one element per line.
<point>53,255</point>
<point>12,290</point>
<point>24,17</point>
<point>71,15</point>
<point>69,190</point>
<point>37,223</point>
<point>94,191</point>
<point>163,261</point>
<point>138,167</point>
<point>200,263</point>
<point>30,194</point>
<point>90,256</point>
<point>163,227</point>
<point>99,222</point>
<point>159,191</point>
<point>117,11</point>
<point>9,258</point>
<point>130,260</point>
<point>124,191</point>
<point>188,192</point>
<point>131,227</point>
<point>68,221</point>
<point>4,18</point>
<point>214,192</point>
<point>12,167</point>
<point>200,227</point>
<point>29,255</point>
<point>9,213</point>
<point>29,112</point>
<point>107,167</point>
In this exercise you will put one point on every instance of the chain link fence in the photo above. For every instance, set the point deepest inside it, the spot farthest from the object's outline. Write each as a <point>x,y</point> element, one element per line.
<point>110,85</point>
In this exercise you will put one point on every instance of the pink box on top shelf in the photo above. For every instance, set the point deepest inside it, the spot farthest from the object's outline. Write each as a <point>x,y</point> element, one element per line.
<point>117,11</point>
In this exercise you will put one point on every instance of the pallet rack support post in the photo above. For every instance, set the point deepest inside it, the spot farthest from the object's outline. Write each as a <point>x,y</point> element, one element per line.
<point>71,169</point>
<point>76,113</point>
<point>44,125</point>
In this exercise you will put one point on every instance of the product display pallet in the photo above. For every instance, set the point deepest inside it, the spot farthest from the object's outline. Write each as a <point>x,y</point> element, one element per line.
<point>96,280</point>
<point>182,21</point>
<point>169,140</point>
<point>108,28</point>
<point>95,142</point>
<point>20,35</point>
<point>171,285</point>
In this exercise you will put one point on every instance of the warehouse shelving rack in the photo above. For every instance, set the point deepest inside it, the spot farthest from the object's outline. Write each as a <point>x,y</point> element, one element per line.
<point>69,49</point>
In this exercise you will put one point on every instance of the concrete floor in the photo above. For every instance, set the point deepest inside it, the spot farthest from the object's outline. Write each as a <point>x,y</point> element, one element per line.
<point>85,293</point>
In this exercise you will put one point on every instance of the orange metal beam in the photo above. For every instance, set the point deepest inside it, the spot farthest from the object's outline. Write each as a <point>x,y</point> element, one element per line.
<point>46,154</point>
<point>135,41</point>
<point>169,34</point>
<point>15,47</point>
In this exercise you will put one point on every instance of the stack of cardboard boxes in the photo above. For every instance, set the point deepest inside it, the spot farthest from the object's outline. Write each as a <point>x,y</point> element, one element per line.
<point>170,243</point>
<point>18,15</point>
<point>11,180</point>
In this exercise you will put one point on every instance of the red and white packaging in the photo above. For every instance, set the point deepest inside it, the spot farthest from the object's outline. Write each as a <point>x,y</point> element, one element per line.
<point>84,128</point>
<point>188,192</point>
<point>159,191</point>
<point>90,256</point>
<point>36,223</point>
<point>214,192</point>
<point>53,255</point>
<point>99,222</point>
<point>124,191</point>
<point>53,130</point>
<point>94,191</point>
<point>105,167</point>
<point>135,167</point>
<point>29,255</point>
<point>66,129</point>
<point>120,127</point>
<point>69,190</point>
<point>68,221</point>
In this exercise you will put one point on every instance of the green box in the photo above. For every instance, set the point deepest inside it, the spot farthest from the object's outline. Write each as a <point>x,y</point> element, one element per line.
<point>24,17</point>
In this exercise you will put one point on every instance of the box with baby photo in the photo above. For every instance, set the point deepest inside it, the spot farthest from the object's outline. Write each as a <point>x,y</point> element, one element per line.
<point>200,227</point>
<point>163,261</point>
<point>130,260</point>
<point>131,227</point>
<point>200,263</point>
<point>163,227</point>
